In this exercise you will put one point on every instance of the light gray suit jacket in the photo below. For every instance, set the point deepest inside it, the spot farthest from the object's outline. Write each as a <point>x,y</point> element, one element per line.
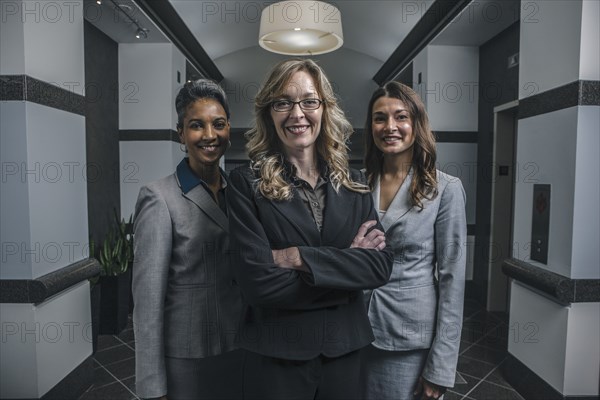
<point>422,305</point>
<point>186,302</point>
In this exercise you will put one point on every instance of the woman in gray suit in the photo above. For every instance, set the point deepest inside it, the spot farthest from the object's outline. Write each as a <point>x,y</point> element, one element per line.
<point>417,316</point>
<point>186,304</point>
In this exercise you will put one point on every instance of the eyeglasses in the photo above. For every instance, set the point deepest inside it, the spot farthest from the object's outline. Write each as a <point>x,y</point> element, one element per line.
<point>287,105</point>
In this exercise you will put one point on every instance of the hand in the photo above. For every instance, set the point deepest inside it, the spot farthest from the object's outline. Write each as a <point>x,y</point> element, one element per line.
<point>375,239</point>
<point>428,390</point>
<point>289,258</point>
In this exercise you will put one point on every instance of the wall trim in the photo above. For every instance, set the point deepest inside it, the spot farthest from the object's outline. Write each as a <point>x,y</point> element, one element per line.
<point>39,289</point>
<point>559,287</point>
<point>578,93</point>
<point>455,137</point>
<point>148,135</point>
<point>26,88</point>
<point>75,383</point>
<point>529,385</point>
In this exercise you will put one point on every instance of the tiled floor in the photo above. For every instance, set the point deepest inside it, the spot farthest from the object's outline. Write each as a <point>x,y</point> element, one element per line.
<point>483,350</point>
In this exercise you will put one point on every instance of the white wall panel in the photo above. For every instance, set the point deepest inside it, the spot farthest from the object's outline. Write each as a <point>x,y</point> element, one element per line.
<point>146,82</point>
<point>586,216</point>
<point>589,68</point>
<point>546,150</point>
<point>556,23</point>
<point>141,163</point>
<point>538,334</point>
<point>582,365</point>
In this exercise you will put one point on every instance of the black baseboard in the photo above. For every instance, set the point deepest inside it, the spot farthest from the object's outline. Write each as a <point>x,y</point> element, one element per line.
<point>530,385</point>
<point>75,384</point>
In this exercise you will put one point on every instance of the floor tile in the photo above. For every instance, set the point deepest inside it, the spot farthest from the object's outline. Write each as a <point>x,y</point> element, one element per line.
<point>464,346</point>
<point>130,383</point>
<point>473,367</point>
<point>101,378</point>
<point>114,391</point>
<point>122,369</point>
<point>489,391</point>
<point>107,341</point>
<point>470,307</point>
<point>126,335</point>
<point>452,396</point>
<point>498,378</point>
<point>486,354</point>
<point>114,354</point>
<point>464,388</point>
<point>496,339</point>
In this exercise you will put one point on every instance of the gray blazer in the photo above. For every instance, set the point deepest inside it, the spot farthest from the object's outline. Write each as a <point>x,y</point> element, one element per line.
<point>186,302</point>
<point>421,307</point>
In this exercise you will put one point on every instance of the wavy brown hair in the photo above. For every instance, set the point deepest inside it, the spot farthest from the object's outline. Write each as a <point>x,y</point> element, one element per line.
<point>264,146</point>
<point>424,183</point>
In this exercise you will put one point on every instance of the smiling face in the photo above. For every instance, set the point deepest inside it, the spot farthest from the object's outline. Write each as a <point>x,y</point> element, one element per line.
<point>298,129</point>
<point>205,133</point>
<point>392,128</point>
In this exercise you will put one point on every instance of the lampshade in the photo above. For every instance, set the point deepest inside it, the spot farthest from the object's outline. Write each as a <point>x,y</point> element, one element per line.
<point>300,28</point>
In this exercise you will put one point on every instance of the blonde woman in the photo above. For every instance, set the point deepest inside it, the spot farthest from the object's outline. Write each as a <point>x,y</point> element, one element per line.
<point>307,240</point>
<point>417,316</point>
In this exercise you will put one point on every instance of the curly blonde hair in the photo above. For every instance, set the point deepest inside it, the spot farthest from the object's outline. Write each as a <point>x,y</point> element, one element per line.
<point>265,148</point>
<point>424,184</point>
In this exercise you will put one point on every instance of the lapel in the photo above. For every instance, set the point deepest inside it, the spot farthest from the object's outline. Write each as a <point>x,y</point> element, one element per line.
<point>204,201</point>
<point>399,206</point>
<point>295,212</point>
<point>337,207</point>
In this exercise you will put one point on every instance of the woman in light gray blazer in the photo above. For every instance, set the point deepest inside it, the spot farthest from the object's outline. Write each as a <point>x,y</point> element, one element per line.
<point>187,305</point>
<point>417,316</point>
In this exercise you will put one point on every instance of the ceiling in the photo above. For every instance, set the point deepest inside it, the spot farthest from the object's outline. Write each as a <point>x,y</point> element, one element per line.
<point>228,32</point>
<point>111,20</point>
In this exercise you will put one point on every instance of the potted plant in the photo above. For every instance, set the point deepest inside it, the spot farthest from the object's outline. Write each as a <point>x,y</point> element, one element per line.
<point>115,256</point>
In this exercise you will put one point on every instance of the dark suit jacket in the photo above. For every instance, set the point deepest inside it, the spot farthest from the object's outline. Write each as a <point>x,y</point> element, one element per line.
<point>297,315</point>
<point>186,305</point>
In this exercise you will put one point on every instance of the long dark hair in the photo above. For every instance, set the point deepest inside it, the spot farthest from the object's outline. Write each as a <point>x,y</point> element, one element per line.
<point>424,183</point>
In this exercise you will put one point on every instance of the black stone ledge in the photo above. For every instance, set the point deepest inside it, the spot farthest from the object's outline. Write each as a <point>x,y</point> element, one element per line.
<point>26,88</point>
<point>578,93</point>
<point>38,290</point>
<point>148,135</point>
<point>563,289</point>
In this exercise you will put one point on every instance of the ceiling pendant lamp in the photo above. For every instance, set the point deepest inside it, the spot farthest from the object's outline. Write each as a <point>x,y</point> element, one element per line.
<point>300,28</point>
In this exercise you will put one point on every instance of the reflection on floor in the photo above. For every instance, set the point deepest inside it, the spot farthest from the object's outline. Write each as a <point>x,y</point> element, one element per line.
<point>483,349</point>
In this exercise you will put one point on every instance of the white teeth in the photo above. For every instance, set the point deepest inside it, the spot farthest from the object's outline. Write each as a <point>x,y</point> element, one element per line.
<point>297,129</point>
<point>209,148</point>
<point>391,139</point>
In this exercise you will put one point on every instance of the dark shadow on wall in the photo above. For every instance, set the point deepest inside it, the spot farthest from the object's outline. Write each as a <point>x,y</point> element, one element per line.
<point>101,130</point>
<point>499,85</point>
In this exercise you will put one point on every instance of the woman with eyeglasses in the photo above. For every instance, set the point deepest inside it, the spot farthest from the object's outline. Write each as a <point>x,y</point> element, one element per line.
<point>307,242</point>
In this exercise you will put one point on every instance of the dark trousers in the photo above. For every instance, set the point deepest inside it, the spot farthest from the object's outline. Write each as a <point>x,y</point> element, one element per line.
<point>268,378</point>
<point>217,377</point>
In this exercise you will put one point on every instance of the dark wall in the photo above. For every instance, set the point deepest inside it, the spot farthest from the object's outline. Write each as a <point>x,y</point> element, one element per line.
<point>498,85</point>
<point>101,130</point>
<point>406,76</point>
